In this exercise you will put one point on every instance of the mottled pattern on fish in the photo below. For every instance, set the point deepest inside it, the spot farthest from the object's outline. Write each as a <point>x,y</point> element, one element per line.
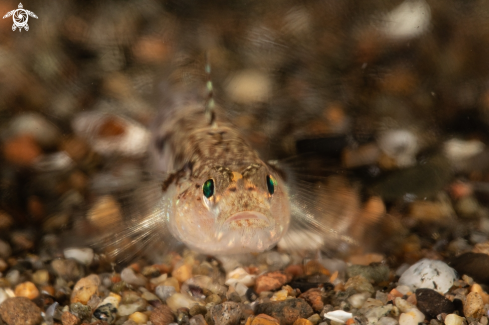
<point>248,210</point>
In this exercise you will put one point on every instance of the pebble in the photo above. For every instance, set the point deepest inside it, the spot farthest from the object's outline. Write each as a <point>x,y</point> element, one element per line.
<point>85,288</point>
<point>279,295</point>
<point>113,299</point>
<point>430,274</point>
<point>359,284</point>
<point>453,319</point>
<point>387,321</point>
<point>5,250</point>
<point>13,277</point>
<point>130,308</point>
<point>106,313</point>
<point>375,313</point>
<point>129,276</point>
<point>314,319</point>
<point>81,311</point>
<point>431,303</point>
<point>412,317</point>
<point>139,318</point>
<point>286,311</point>
<point>164,292</point>
<point>179,300</point>
<point>183,270</point>
<point>66,269</point>
<point>375,272</point>
<point>105,213</point>
<point>240,275</point>
<point>20,311</point>
<point>82,255</point>
<point>302,321</point>
<point>474,306</point>
<point>27,289</point>
<point>314,298</point>
<point>262,319</point>
<point>358,299</point>
<point>198,320</point>
<point>158,280</point>
<point>339,316</point>
<point>227,313</point>
<point>40,277</point>
<point>68,318</point>
<point>270,281</point>
<point>21,150</point>
<point>161,315</point>
<point>473,265</point>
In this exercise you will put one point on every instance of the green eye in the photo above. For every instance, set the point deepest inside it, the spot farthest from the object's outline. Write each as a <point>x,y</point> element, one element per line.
<point>271,183</point>
<point>208,188</point>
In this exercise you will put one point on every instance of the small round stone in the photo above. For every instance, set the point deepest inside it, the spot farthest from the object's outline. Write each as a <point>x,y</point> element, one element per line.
<point>139,318</point>
<point>20,311</point>
<point>27,289</point>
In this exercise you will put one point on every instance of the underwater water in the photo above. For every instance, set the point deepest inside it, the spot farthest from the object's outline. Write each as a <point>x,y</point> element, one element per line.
<point>181,157</point>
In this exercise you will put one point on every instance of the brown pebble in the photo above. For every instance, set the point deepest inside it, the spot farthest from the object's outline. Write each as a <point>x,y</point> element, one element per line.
<point>68,318</point>
<point>21,150</point>
<point>20,311</point>
<point>198,320</point>
<point>162,315</point>
<point>286,311</point>
<point>314,298</point>
<point>270,281</point>
<point>474,306</point>
<point>263,319</point>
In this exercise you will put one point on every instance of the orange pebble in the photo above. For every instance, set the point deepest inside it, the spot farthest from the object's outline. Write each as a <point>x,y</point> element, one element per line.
<point>350,321</point>
<point>27,289</point>
<point>396,293</point>
<point>334,276</point>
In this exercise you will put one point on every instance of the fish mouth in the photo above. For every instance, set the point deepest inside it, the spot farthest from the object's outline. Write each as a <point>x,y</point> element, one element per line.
<point>250,219</point>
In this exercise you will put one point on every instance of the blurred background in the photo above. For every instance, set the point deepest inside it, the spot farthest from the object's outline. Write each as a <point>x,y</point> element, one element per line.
<point>390,97</point>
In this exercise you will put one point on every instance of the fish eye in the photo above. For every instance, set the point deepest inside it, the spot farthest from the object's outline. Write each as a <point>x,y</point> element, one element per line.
<point>208,188</point>
<point>271,183</point>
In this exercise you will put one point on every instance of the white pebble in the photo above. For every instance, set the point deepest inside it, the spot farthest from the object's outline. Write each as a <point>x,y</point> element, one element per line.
<point>129,276</point>
<point>165,292</point>
<point>81,255</point>
<point>453,319</point>
<point>408,20</point>
<point>240,276</point>
<point>339,316</point>
<point>401,145</point>
<point>358,299</point>
<point>404,289</point>
<point>411,318</point>
<point>179,300</point>
<point>430,274</point>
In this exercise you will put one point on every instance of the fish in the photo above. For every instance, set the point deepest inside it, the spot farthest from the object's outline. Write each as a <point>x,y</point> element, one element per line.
<point>223,198</point>
<point>211,191</point>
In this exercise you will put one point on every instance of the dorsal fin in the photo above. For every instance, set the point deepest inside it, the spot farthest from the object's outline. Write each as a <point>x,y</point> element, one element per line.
<point>209,103</point>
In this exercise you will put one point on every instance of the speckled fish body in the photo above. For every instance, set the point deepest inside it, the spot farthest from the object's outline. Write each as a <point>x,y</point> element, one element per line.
<point>243,214</point>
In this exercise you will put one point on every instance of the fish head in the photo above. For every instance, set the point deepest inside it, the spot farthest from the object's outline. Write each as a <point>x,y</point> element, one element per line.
<point>240,208</point>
